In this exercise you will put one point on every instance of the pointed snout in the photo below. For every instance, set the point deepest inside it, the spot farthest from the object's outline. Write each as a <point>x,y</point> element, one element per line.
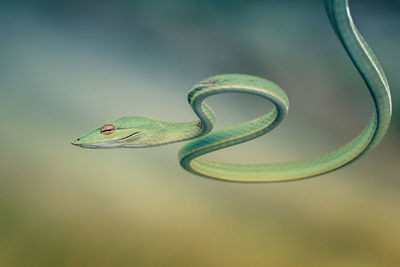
<point>76,142</point>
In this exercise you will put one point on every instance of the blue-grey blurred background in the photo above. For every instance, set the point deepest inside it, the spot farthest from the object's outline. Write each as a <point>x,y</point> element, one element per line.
<point>67,67</point>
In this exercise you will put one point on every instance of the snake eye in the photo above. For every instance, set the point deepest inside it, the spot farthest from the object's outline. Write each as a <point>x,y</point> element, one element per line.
<point>107,129</point>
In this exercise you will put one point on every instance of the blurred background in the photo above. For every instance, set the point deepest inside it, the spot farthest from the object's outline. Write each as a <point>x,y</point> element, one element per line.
<point>67,67</point>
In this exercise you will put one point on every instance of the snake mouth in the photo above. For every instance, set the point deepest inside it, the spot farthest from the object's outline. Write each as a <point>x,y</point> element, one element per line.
<point>104,144</point>
<point>124,138</point>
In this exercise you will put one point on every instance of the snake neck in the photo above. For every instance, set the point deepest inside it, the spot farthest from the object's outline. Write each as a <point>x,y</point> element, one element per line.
<point>173,132</point>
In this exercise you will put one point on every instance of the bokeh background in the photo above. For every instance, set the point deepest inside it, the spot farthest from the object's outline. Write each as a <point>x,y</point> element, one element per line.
<point>67,67</point>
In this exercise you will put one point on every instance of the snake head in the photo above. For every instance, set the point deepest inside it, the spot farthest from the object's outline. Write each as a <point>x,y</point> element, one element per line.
<point>124,132</point>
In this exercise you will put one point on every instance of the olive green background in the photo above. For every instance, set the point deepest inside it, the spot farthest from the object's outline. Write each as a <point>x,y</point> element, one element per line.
<point>69,66</point>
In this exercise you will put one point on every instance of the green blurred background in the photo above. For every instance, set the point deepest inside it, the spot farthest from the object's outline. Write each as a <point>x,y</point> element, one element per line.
<point>68,66</point>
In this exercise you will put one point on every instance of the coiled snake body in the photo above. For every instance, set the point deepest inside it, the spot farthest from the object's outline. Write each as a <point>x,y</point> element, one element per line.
<point>143,132</point>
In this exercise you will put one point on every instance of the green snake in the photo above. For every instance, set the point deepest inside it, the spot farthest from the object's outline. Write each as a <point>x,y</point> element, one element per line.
<point>144,132</point>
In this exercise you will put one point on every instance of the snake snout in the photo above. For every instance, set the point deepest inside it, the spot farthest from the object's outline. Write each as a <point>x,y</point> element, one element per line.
<point>76,142</point>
